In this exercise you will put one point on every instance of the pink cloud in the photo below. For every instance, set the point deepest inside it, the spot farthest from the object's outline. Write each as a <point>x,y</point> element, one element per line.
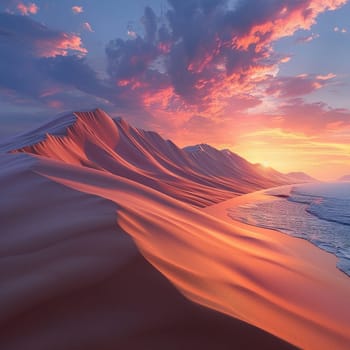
<point>61,44</point>
<point>308,38</point>
<point>312,118</point>
<point>77,9</point>
<point>285,20</point>
<point>29,9</point>
<point>340,30</point>
<point>87,26</point>
<point>55,104</point>
<point>285,59</point>
<point>52,90</point>
<point>132,34</point>
<point>296,86</point>
<point>326,77</point>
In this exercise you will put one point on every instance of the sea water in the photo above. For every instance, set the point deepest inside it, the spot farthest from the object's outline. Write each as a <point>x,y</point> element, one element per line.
<point>318,212</point>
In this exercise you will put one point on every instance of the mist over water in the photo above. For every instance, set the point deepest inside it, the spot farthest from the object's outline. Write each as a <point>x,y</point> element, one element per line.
<point>319,213</point>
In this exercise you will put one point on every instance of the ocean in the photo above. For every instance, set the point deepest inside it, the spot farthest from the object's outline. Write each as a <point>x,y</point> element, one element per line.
<point>319,213</point>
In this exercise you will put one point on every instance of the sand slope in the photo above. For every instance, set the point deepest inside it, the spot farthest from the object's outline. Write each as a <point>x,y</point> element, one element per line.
<point>92,139</point>
<point>100,243</point>
<point>261,279</point>
<point>72,279</point>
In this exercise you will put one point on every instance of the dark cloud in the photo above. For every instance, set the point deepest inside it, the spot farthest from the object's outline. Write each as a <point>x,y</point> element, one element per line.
<point>149,21</point>
<point>130,58</point>
<point>180,48</point>
<point>18,66</point>
<point>36,64</point>
<point>207,41</point>
<point>73,71</point>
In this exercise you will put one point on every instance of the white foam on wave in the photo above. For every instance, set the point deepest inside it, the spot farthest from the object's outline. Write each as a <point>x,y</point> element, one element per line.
<point>318,213</point>
<point>329,202</point>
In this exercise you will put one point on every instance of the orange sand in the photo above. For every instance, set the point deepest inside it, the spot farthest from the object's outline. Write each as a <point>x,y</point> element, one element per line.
<point>280,284</point>
<point>64,213</point>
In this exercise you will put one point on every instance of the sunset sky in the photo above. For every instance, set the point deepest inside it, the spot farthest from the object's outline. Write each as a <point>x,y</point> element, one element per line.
<point>269,80</point>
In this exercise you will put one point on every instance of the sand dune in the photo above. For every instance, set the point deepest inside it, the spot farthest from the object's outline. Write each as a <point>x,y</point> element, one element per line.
<point>95,140</point>
<point>71,278</point>
<point>259,279</point>
<point>94,255</point>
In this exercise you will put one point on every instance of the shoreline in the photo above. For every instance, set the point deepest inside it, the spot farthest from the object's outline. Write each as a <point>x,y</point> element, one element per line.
<point>322,281</point>
<point>221,211</point>
<point>278,194</point>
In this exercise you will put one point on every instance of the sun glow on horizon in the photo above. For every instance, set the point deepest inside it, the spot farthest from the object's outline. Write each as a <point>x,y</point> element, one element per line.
<point>293,153</point>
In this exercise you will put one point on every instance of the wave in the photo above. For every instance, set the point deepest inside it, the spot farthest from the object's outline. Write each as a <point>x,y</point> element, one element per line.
<point>318,213</point>
<point>333,209</point>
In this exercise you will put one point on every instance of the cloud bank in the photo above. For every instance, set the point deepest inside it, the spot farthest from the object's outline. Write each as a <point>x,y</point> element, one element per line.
<point>204,60</point>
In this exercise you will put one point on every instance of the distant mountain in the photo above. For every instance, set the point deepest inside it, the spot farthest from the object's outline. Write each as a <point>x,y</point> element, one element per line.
<point>200,175</point>
<point>301,177</point>
<point>345,178</point>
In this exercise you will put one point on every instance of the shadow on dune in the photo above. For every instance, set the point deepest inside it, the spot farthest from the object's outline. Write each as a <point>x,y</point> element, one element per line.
<point>135,308</point>
<point>71,279</point>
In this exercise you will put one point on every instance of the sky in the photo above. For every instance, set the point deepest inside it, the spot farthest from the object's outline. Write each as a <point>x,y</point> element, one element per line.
<point>269,80</point>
